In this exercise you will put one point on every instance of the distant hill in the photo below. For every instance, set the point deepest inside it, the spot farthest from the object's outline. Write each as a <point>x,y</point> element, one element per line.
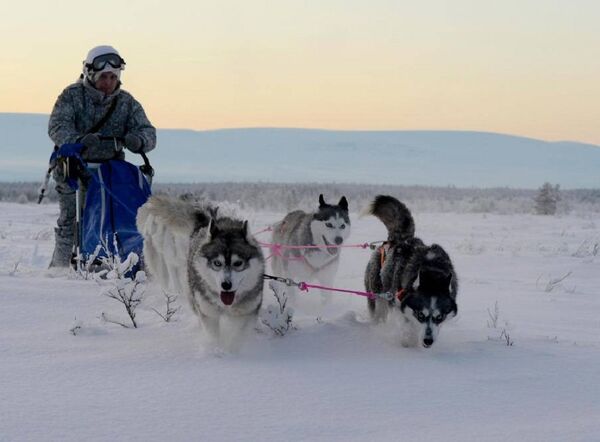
<point>433,158</point>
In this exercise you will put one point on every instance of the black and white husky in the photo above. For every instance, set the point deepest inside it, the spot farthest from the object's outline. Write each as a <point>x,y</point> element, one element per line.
<point>213,259</point>
<point>328,226</point>
<point>420,277</point>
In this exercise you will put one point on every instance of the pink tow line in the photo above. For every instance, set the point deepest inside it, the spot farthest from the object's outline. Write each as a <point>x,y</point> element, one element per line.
<point>277,250</point>
<point>304,287</point>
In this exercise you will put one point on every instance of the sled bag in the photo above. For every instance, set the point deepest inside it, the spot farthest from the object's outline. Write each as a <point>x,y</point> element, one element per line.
<point>114,194</point>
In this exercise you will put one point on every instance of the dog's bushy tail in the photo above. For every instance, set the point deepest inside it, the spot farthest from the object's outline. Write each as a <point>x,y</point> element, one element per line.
<point>395,216</point>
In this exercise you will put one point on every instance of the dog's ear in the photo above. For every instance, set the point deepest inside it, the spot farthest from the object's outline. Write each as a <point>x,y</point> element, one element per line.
<point>454,310</point>
<point>343,203</point>
<point>402,303</point>
<point>321,201</point>
<point>212,228</point>
<point>245,230</point>
<point>417,281</point>
<point>202,220</point>
<point>449,282</point>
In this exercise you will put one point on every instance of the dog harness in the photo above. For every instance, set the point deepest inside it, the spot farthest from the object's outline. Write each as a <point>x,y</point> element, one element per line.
<point>383,248</point>
<point>400,294</point>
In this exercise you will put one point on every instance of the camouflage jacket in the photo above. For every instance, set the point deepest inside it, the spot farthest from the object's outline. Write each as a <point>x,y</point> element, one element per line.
<point>79,107</point>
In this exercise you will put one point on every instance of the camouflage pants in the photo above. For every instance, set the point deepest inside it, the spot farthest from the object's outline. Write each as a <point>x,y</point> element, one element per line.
<point>64,233</point>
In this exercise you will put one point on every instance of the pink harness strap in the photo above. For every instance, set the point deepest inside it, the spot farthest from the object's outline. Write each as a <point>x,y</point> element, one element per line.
<point>280,247</point>
<point>266,229</point>
<point>277,249</point>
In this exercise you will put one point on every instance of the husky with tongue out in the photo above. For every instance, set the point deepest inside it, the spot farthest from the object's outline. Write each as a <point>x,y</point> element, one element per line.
<point>225,269</point>
<point>190,249</point>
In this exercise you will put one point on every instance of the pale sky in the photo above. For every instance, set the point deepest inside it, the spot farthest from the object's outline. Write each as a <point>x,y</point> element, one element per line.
<point>523,67</point>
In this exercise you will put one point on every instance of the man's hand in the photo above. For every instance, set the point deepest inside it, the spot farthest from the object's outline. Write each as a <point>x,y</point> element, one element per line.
<point>99,149</point>
<point>134,143</point>
<point>91,141</point>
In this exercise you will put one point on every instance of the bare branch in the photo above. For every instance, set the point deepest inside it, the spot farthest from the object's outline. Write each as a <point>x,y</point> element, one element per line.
<point>170,311</point>
<point>279,317</point>
<point>553,283</point>
<point>106,318</point>
<point>507,339</point>
<point>493,322</point>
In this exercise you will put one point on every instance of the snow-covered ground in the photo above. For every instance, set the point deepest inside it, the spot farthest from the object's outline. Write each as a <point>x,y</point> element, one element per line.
<point>335,378</point>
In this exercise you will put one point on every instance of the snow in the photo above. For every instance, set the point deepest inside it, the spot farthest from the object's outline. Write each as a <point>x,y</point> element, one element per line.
<point>337,377</point>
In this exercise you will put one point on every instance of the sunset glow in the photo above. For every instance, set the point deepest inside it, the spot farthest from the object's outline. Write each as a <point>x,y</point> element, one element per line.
<point>527,67</point>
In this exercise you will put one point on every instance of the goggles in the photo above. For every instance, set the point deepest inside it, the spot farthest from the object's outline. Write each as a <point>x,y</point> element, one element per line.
<point>100,62</point>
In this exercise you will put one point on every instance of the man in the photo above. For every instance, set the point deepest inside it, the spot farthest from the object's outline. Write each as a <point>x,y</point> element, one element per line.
<point>97,113</point>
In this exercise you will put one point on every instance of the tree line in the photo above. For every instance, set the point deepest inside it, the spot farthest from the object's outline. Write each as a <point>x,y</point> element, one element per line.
<point>283,197</point>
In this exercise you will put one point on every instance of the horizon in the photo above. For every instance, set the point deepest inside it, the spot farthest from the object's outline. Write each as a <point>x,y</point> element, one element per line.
<point>521,68</point>
<point>465,131</point>
<point>458,158</point>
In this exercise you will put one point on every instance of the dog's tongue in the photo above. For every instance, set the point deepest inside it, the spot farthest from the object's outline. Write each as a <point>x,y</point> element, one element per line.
<point>227,297</point>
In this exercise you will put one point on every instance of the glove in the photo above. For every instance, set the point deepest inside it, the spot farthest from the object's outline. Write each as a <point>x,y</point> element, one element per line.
<point>69,150</point>
<point>134,143</point>
<point>90,141</point>
<point>99,149</point>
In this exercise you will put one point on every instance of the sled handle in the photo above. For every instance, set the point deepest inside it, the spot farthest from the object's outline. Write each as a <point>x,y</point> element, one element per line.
<point>147,168</point>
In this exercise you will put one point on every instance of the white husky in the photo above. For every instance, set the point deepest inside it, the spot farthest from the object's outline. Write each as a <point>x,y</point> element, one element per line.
<point>322,230</point>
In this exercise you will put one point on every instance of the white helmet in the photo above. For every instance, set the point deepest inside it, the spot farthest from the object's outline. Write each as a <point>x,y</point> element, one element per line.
<point>102,59</point>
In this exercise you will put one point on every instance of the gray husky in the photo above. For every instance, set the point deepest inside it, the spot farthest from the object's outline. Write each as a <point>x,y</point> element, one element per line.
<point>328,226</point>
<point>213,259</point>
<point>420,277</point>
